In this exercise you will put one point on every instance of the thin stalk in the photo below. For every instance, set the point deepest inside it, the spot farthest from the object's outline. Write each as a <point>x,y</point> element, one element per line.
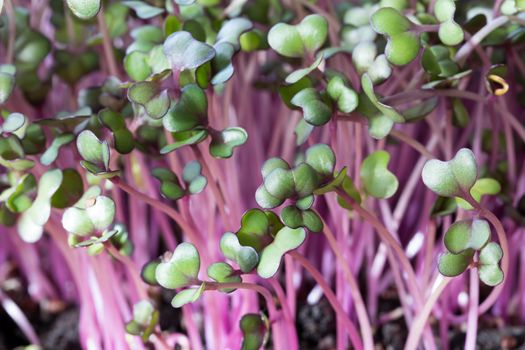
<point>292,338</point>
<point>217,193</point>
<point>389,240</point>
<point>409,140</point>
<point>421,319</point>
<point>476,39</point>
<point>249,286</point>
<point>259,289</point>
<point>132,269</point>
<point>362,315</point>
<point>10,12</point>
<point>502,237</point>
<point>166,209</point>
<point>107,45</point>
<point>332,299</point>
<point>472,321</point>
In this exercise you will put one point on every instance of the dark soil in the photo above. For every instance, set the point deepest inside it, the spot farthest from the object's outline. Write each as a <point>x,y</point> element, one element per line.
<point>57,332</point>
<point>316,326</point>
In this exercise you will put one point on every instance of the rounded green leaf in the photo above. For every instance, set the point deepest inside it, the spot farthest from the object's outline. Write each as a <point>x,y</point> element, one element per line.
<point>272,164</point>
<point>101,213</point>
<point>48,184</point>
<point>286,239</point>
<point>190,111</point>
<point>280,183</point>
<point>254,330</point>
<point>7,81</point>
<point>345,97</point>
<point>389,21</point>
<point>231,31</point>
<point>187,296</point>
<point>467,234</point>
<point>444,10</point>
<point>137,66</point>
<point>315,111</point>
<point>246,257</point>
<point>489,270</point>
<point>265,199</point>
<point>148,272</point>
<point>142,312</point>
<point>76,221</point>
<point>92,150</point>
<point>321,158</point>
<point>306,180</point>
<point>148,94</point>
<point>184,52</point>
<point>297,75</point>
<point>51,154</point>
<point>195,182</point>
<point>84,9</point>
<point>294,217</point>
<point>223,273</point>
<point>185,138</point>
<point>402,48</point>
<point>223,143</point>
<point>452,265</point>
<point>293,41</point>
<point>70,190</point>
<point>313,30</point>
<point>182,268</point>
<point>143,9</point>
<point>257,227</point>
<point>484,186</point>
<point>454,177</point>
<point>450,33</point>
<point>378,181</point>
<point>491,275</point>
<point>368,89</point>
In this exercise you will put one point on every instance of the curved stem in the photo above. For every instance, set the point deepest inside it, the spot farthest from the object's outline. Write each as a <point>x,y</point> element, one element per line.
<point>292,333</point>
<point>474,41</point>
<point>10,12</point>
<point>130,266</point>
<point>500,231</point>
<point>412,143</point>
<point>332,299</point>
<point>389,240</point>
<point>249,286</point>
<point>166,209</point>
<point>362,315</point>
<point>106,43</point>
<point>502,237</point>
<point>421,319</point>
<point>472,321</point>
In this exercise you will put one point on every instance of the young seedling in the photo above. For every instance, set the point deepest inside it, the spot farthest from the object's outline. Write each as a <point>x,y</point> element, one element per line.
<point>170,186</point>
<point>84,9</point>
<point>402,43</point>
<point>255,329</point>
<point>7,81</point>
<point>95,154</point>
<point>282,182</point>
<point>32,221</point>
<point>453,178</point>
<point>450,33</point>
<point>145,319</point>
<point>378,181</point>
<point>301,39</point>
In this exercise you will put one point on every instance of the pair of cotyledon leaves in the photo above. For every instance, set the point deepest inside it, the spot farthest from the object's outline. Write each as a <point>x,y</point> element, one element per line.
<point>402,42</point>
<point>456,178</point>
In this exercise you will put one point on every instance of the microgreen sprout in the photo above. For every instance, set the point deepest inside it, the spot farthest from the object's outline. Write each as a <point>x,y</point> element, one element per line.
<point>261,164</point>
